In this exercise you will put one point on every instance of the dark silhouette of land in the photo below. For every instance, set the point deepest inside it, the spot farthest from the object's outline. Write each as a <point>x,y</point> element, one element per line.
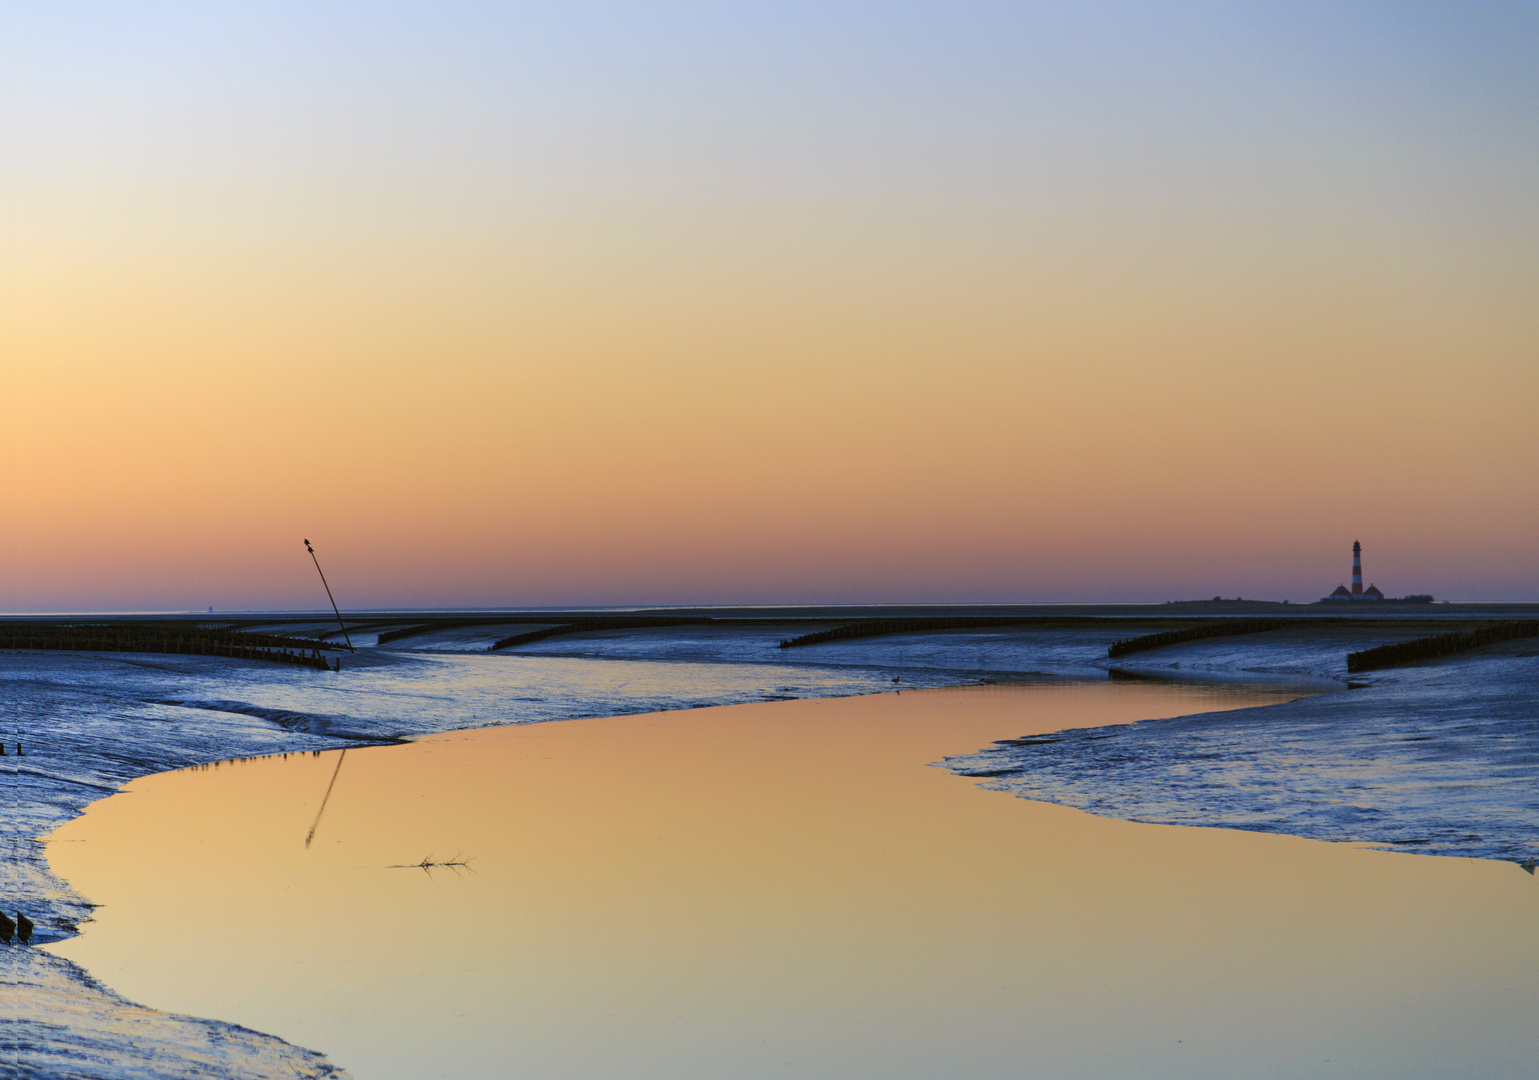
<point>303,638</point>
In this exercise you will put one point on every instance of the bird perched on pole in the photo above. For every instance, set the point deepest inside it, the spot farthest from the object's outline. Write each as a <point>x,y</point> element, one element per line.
<point>333,599</point>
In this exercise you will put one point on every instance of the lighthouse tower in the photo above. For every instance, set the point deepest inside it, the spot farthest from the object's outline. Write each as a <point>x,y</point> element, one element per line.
<point>1356,592</point>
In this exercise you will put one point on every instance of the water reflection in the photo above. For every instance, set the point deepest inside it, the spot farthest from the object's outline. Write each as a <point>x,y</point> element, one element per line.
<point>332,783</point>
<point>786,889</point>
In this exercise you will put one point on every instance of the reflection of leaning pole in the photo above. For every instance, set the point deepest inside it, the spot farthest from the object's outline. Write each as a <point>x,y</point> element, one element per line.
<point>316,824</point>
<point>333,599</point>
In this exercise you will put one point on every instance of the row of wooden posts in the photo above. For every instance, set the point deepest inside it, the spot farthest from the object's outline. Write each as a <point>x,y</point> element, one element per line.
<point>150,639</point>
<point>1429,648</point>
<point>1221,628</point>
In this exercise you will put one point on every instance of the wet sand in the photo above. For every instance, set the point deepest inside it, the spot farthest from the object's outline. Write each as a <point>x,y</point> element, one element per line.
<point>786,889</point>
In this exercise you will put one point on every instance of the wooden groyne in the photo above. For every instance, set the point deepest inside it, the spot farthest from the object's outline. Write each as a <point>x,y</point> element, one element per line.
<point>356,628</point>
<point>529,637</point>
<point>568,624</point>
<point>387,636</point>
<point>1429,648</point>
<point>881,627</point>
<point>167,637</point>
<point>1217,628</point>
<point>601,622</point>
<point>865,628</point>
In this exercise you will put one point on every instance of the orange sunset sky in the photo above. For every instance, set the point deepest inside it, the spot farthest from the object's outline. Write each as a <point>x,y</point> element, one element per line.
<point>622,304</point>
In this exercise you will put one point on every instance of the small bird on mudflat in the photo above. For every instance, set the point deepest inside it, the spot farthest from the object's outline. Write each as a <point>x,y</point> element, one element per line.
<point>7,928</point>
<point>23,928</point>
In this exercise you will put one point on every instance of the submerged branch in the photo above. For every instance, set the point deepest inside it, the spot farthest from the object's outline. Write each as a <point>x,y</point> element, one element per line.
<point>429,864</point>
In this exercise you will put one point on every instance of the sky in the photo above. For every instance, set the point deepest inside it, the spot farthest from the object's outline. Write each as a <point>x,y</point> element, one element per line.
<point>530,304</point>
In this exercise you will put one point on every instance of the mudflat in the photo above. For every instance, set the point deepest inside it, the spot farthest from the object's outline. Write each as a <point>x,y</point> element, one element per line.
<point>786,889</point>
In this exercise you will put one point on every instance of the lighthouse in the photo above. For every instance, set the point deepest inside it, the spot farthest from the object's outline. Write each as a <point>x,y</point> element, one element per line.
<point>1356,592</point>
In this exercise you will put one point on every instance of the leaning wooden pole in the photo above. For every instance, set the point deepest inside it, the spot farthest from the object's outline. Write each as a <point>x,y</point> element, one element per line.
<point>333,599</point>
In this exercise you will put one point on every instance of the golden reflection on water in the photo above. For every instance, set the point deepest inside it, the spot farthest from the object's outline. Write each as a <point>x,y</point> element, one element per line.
<point>786,890</point>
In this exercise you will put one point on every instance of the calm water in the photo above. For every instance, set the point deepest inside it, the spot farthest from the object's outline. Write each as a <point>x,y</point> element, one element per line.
<point>785,889</point>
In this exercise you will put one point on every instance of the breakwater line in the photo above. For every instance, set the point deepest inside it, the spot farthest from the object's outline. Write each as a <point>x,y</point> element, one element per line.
<point>566,624</point>
<point>869,628</point>
<point>1218,628</point>
<point>1430,648</point>
<point>583,626</point>
<point>170,638</point>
